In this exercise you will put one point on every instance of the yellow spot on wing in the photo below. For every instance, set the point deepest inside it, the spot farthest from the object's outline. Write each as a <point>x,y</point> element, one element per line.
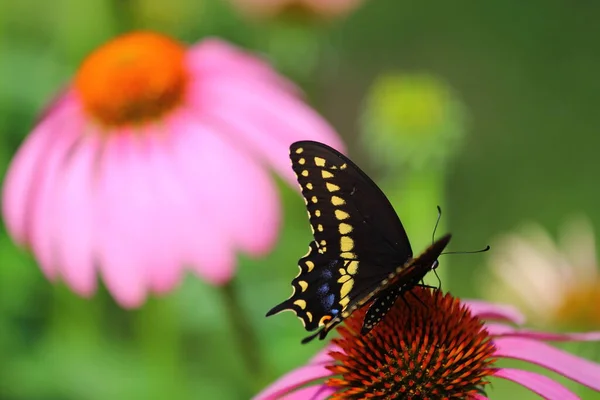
<point>344,302</point>
<point>310,265</point>
<point>342,271</point>
<point>299,150</point>
<point>301,161</point>
<point>309,316</point>
<point>343,166</point>
<point>301,303</point>
<point>317,213</point>
<point>345,228</point>
<point>353,267</point>
<point>313,199</point>
<point>323,242</point>
<point>337,201</point>
<point>309,186</point>
<point>304,173</point>
<point>341,215</point>
<point>344,278</point>
<point>332,187</point>
<point>303,285</point>
<point>346,288</point>
<point>348,255</point>
<point>326,174</point>
<point>320,228</point>
<point>319,162</point>
<point>346,243</point>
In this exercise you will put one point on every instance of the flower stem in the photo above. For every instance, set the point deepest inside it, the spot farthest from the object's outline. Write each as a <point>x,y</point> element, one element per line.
<point>243,332</point>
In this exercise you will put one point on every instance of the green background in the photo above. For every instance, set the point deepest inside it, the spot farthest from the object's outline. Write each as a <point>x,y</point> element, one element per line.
<point>527,72</point>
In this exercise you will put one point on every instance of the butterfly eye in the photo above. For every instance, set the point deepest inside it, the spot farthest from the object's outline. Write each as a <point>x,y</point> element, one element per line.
<point>435,264</point>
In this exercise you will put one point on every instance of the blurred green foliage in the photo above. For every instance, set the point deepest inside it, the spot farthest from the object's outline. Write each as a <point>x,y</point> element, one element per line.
<point>526,71</point>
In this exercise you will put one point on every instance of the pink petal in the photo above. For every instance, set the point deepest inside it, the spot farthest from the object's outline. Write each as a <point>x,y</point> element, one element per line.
<point>122,206</point>
<point>28,164</point>
<point>323,355</point>
<point>72,221</point>
<point>539,384</point>
<point>317,392</point>
<point>293,380</point>
<point>507,330</point>
<point>568,365</point>
<point>205,167</point>
<point>485,310</point>
<point>478,396</point>
<point>64,130</point>
<point>167,222</point>
<point>249,203</point>
<point>263,119</point>
<point>220,60</point>
<point>18,185</point>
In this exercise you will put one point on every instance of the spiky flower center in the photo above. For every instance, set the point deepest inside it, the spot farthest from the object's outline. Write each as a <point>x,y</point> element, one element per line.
<point>431,348</point>
<point>135,78</point>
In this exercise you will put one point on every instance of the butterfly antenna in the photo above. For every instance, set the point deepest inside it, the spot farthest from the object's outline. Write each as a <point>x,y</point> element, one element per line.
<point>436,224</point>
<point>469,252</point>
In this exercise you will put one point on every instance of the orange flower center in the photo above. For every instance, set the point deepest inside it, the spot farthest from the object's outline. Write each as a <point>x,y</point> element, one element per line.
<point>135,78</point>
<point>431,348</point>
<point>580,306</point>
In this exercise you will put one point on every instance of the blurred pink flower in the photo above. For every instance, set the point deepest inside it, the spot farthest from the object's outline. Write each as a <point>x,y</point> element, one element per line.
<point>155,158</point>
<point>556,284</point>
<point>319,8</point>
<point>439,349</point>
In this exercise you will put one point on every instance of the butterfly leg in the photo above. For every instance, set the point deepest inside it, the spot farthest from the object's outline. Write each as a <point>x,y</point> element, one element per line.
<point>418,299</point>
<point>404,300</point>
<point>427,286</point>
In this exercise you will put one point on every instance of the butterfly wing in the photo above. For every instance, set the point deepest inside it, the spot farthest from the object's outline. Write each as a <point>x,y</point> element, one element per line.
<point>316,289</point>
<point>407,277</point>
<point>350,216</point>
<point>358,238</point>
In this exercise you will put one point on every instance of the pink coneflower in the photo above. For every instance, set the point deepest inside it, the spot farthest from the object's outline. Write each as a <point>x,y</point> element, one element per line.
<point>315,8</point>
<point>155,159</point>
<point>434,348</point>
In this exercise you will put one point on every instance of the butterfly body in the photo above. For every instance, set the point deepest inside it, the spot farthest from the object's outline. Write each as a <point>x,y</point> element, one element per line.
<point>360,252</point>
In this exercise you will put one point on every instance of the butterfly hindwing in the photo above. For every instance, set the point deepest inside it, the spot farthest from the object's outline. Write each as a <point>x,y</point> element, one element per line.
<point>317,289</point>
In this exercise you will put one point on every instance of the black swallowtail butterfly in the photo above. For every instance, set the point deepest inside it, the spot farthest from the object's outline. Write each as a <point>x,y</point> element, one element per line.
<point>360,250</point>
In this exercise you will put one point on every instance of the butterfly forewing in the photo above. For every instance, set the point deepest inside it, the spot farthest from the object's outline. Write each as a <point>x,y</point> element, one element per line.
<point>359,242</point>
<point>350,216</point>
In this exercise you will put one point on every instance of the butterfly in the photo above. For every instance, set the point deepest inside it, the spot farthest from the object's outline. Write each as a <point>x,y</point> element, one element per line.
<point>360,252</point>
